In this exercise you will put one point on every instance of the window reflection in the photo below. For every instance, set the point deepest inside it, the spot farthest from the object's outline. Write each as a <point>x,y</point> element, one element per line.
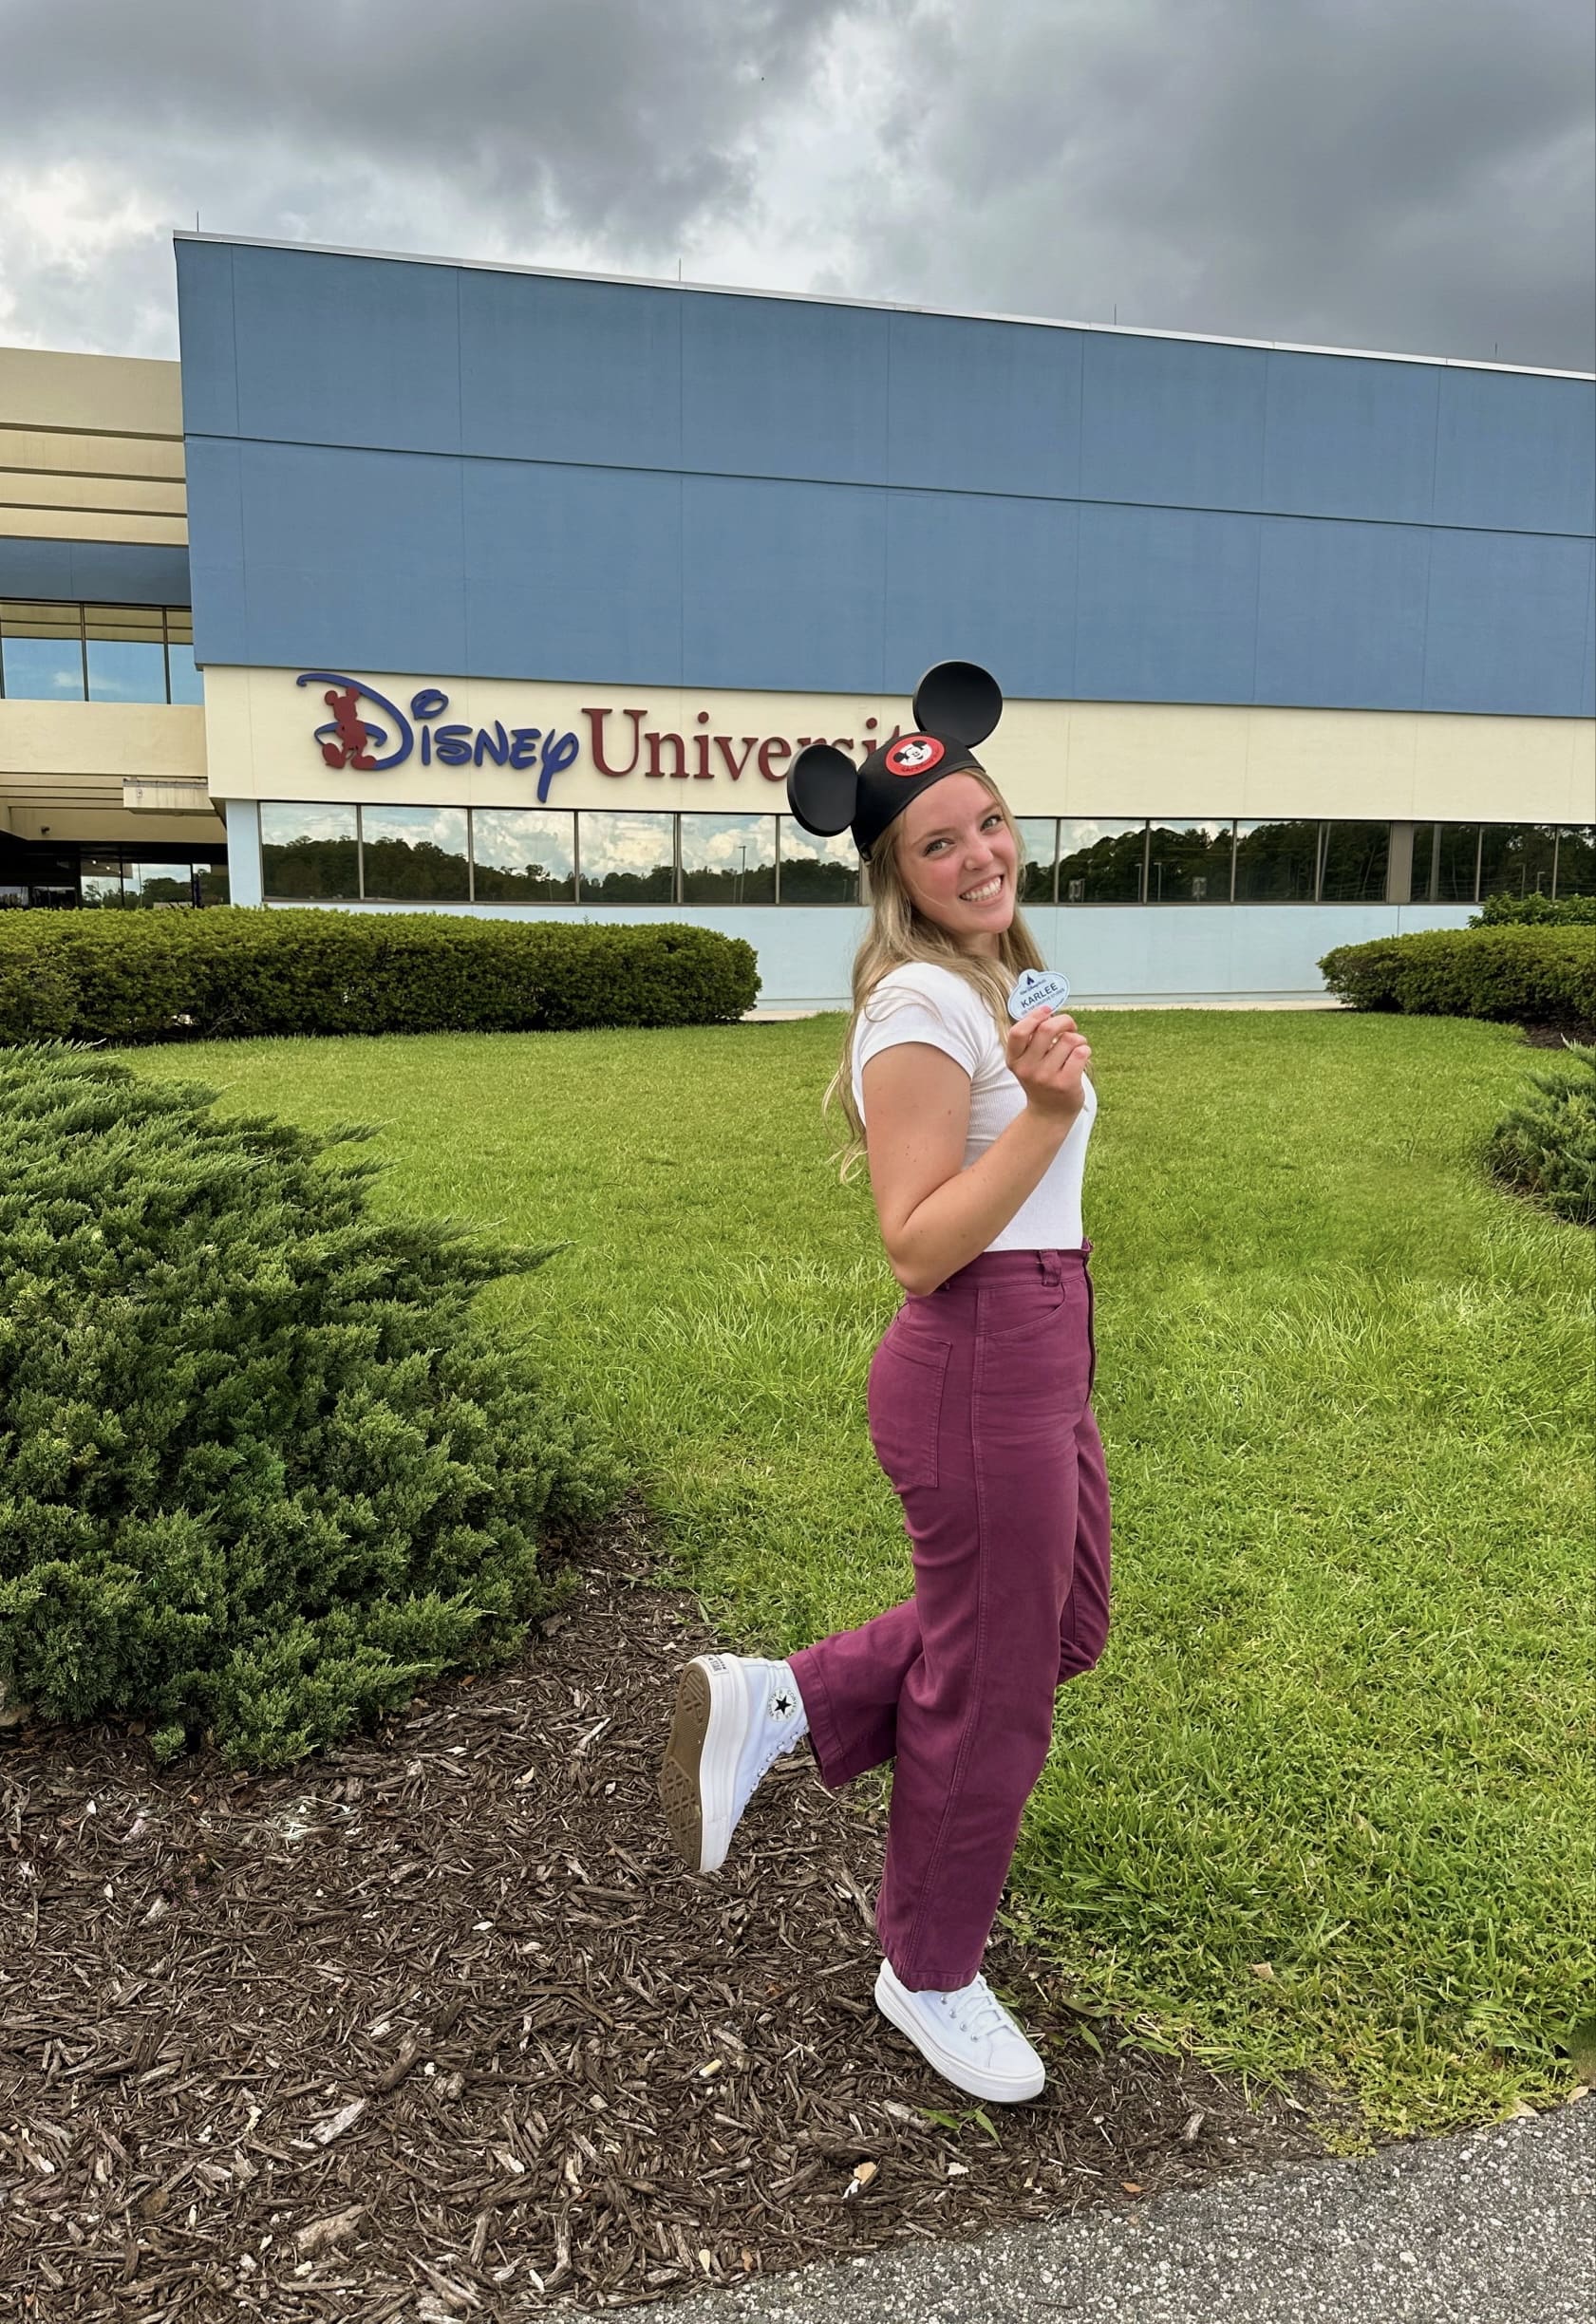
<point>184,682</point>
<point>626,858</point>
<point>126,653</point>
<point>1189,863</point>
<point>309,853</point>
<point>1277,862</point>
<point>99,881</point>
<point>1445,859</point>
<point>817,870</point>
<point>1517,859</point>
<point>523,856</point>
<point>42,652</point>
<point>1357,857</point>
<point>158,887</point>
<point>1576,860</point>
<point>728,859</point>
<point>1100,862</point>
<point>1038,835</point>
<point>414,854</point>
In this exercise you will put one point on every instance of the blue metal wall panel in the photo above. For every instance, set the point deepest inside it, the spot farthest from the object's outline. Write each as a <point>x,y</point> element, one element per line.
<point>351,557</point>
<point>574,571</point>
<point>346,350</point>
<point>554,370</point>
<point>1507,613</point>
<point>1518,454</point>
<point>782,585</point>
<point>106,572</point>
<point>713,490</point>
<point>1166,606</point>
<point>1350,437</point>
<point>1170,420</point>
<point>777,389</point>
<point>982,579</point>
<point>988,408</point>
<point>1341,614</point>
<point>208,350</point>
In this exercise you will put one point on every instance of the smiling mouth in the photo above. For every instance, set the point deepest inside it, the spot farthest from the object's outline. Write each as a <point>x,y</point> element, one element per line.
<point>985,893</point>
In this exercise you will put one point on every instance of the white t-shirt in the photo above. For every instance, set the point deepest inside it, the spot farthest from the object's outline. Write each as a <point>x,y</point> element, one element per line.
<point>922,1001</point>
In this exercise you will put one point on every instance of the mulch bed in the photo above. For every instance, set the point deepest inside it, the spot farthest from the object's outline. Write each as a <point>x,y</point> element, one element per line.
<point>1553,1036</point>
<point>436,2027</point>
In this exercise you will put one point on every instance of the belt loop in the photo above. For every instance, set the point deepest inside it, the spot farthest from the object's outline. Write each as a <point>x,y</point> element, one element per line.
<point>1085,1245</point>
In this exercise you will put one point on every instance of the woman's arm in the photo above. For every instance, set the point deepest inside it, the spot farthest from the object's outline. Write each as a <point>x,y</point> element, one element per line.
<point>936,1215</point>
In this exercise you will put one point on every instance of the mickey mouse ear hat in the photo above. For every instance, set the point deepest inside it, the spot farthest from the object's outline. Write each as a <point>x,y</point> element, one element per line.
<point>956,705</point>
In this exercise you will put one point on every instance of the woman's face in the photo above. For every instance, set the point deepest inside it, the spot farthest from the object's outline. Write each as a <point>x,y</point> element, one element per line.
<point>956,857</point>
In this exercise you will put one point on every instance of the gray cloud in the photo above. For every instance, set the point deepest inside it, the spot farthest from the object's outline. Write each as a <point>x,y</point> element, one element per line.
<point>1416,175</point>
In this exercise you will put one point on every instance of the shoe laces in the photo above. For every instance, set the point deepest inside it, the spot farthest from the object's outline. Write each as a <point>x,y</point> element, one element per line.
<point>976,2009</point>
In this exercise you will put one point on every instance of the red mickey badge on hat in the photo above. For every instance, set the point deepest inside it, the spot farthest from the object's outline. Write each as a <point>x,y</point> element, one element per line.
<point>914,755</point>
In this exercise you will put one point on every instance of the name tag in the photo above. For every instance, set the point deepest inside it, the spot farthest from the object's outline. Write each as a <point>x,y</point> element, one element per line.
<point>1036,985</point>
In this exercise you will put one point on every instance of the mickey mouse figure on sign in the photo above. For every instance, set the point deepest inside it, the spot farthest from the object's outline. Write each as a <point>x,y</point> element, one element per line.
<point>956,705</point>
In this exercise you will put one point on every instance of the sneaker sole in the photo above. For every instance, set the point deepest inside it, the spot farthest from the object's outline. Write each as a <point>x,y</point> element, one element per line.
<point>1008,2090</point>
<point>699,1764</point>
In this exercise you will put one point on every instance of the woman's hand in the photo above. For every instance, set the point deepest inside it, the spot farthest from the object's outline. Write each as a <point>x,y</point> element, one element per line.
<point>1047,1056</point>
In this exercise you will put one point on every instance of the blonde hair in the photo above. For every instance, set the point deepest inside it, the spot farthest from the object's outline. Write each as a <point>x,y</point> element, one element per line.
<point>899,932</point>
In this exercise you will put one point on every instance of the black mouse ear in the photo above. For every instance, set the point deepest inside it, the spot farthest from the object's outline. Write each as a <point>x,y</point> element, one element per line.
<point>823,789</point>
<point>959,699</point>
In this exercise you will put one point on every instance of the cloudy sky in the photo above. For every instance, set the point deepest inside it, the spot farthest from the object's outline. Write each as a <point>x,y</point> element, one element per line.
<point>1410,175</point>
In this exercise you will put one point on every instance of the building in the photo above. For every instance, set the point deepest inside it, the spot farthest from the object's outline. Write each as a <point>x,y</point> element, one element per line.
<point>516,591</point>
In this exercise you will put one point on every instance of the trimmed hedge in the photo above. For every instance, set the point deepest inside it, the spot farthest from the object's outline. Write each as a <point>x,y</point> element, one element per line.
<point>262,1471</point>
<point>1535,911</point>
<point>237,971</point>
<point>1545,1148</point>
<point>1522,975</point>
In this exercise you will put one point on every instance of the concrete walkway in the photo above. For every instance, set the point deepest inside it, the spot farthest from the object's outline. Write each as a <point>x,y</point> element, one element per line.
<point>1494,2226</point>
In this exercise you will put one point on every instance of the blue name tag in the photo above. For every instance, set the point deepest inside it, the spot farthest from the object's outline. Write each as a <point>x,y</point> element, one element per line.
<point>1036,987</point>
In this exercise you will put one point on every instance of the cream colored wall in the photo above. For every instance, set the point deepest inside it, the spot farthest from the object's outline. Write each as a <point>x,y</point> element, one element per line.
<point>91,448</point>
<point>1077,759</point>
<point>67,770</point>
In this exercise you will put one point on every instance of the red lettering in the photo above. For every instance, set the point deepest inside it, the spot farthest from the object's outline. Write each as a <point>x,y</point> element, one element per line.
<point>704,770</point>
<point>773,748</point>
<point>656,742</point>
<point>595,737</point>
<point>734,765</point>
<point>844,742</point>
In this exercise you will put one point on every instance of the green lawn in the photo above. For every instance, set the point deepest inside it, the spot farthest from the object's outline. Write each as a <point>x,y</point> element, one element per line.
<point>1342,1731</point>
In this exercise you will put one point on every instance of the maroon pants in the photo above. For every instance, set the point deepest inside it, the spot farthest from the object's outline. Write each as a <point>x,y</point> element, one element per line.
<point>980,1414</point>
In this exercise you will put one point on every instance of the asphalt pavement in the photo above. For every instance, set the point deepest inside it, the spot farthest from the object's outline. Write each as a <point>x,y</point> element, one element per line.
<point>1492,2227</point>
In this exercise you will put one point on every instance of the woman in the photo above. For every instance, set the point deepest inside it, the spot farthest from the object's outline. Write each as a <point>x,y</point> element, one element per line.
<point>976,1131</point>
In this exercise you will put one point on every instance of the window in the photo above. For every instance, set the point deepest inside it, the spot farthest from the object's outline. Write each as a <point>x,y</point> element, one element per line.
<point>52,652</point>
<point>1189,863</point>
<point>1445,862</point>
<point>309,854</point>
<point>184,683</point>
<point>1100,862</point>
<point>728,859</point>
<point>42,652</point>
<point>126,653</point>
<point>1576,860</point>
<point>626,858</point>
<point>1038,836</point>
<point>1355,858</point>
<point>523,857</point>
<point>1277,863</point>
<point>817,870</point>
<point>1516,859</point>
<point>158,886</point>
<point>415,855</point>
<point>100,882</point>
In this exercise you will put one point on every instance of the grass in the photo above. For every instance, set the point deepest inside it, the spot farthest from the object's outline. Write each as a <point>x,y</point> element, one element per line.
<point>1327,1805</point>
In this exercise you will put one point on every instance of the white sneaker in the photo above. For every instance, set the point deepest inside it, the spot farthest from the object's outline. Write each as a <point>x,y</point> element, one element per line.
<point>968,2036</point>
<point>735,1716</point>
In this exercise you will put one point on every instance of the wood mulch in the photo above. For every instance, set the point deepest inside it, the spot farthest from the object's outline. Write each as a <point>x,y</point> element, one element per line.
<point>436,2027</point>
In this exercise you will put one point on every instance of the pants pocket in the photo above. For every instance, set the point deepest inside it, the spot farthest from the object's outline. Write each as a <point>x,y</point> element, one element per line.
<point>904,1403</point>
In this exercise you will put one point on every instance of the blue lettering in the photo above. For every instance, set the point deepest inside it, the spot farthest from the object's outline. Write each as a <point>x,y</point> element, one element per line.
<point>488,748</point>
<point>558,753</point>
<point>375,736</point>
<point>426,742</point>
<point>453,746</point>
<point>430,703</point>
<point>524,747</point>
